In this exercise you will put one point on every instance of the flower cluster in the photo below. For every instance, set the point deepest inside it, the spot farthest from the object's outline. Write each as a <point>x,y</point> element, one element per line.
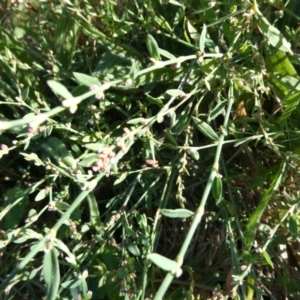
<point>100,94</point>
<point>106,156</point>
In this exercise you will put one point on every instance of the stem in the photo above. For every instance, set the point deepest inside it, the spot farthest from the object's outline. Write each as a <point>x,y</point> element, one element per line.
<point>200,210</point>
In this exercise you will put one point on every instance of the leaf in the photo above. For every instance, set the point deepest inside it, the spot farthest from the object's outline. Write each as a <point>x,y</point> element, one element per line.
<point>255,217</point>
<point>62,206</point>
<point>121,178</point>
<point>59,89</point>
<point>51,273</point>
<point>133,248</point>
<point>278,61</point>
<point>205,129</point>
<point>217,190</point>
<point>170,136</point>
<point>66,34</point>
<point>163,262</point>
<point>70,256</point>
<point>73,283</point>
<point>89,160</point>
<point>288,89</point>
<point>15,202</point>
<point>155,101</point>
<point>274,36</point>
<point>136,121</point>
<point>57,149</point>
<point>166,54</point>
<point>194,154</point>
<point>202,39</point>
<point>192,30</point>
<point>175,93</point>
<point>86,80</point>
<point>268,259</point>
<point>177,213</point>
<point>41,195</point>
<point>123,29</point>
<point>94,146</point>
<point>183,120</point>
<point>152,47</point>
<point>293,227</point>
<point>217,110</point>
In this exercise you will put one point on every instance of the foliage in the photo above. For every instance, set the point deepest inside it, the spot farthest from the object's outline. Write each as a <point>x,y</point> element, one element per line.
<point>147,140</point>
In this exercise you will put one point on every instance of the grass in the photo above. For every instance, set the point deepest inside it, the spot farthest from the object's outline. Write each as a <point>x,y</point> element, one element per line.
<point>149,150</point>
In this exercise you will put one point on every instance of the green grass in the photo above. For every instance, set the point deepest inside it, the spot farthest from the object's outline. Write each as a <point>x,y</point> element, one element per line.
<point>149,149</point>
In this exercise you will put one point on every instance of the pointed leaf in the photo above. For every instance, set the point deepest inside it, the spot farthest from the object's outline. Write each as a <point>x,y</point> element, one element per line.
<point>217,110</point>
<point>217,189</point>
<point>194,154</point>
<point>293,227</point>
<point>202,38</point>
<point>175,93</point>
<point>205,129</point>
<point>86,80</point>
<point>268,259</point>
<point>59,89</point>
<point>274,36</point>
<point>133,248</point>
<point>152,47</point>
<point>177,213</point>
<point>41,195</point>
<point>163,262</point>
<point>136,121</point>
<point>192,30</point>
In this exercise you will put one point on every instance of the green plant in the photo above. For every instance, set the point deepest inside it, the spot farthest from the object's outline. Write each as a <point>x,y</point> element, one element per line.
<point>146,135</point>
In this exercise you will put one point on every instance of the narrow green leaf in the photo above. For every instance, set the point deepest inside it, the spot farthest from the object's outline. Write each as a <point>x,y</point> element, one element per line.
<point>166,54</point>
<point>274,36</point>
<point>194,154</point>
<point>152,47</point>
<point>293,227</point>
<point>59,89</point>
<point>94,146</point>
<point>217,110</point>
<point>205,129</point>
<point>217,189</point>
<point>71,284</point>
<point>268,259</point>
<point>192,30</point>
<point>175,93</point>
<point>94,212</point>
<point>163,262</point>
<point>183,120</point>
<point>51,273</point>
<point>155,101</point>
<point>278,61</point>
<point>255,217</point>
<point>136,121</point>
<point>202,39</point>
<point>70,256</point>
<point>86,80</point>
<point>180,213</point>
<point>121,178</point>
<point>89,160</point>
<point>133,248</point>
<point>41,195</point>
<point>62,206</point>
<point>170,136</point>
<point>58,150</point>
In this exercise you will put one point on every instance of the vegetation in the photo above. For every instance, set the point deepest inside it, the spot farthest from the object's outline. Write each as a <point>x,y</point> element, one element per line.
<point>149,149</point>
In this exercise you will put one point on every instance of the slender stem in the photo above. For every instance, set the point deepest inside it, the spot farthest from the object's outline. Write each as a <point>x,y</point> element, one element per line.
<point>200,210</point>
